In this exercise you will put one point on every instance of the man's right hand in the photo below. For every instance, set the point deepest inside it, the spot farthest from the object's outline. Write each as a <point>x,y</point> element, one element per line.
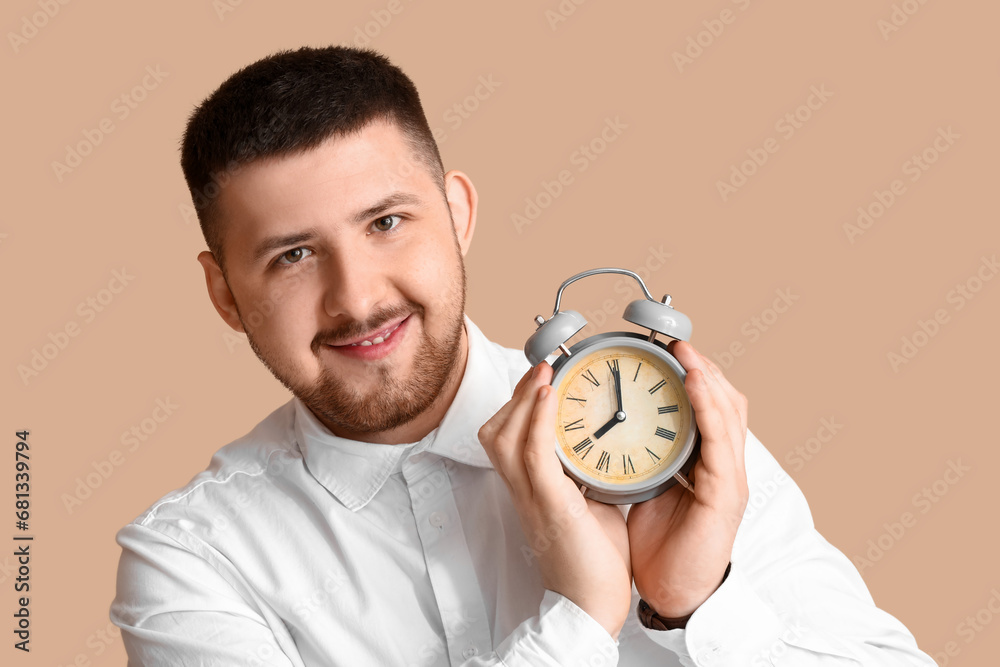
<point>581,544</point>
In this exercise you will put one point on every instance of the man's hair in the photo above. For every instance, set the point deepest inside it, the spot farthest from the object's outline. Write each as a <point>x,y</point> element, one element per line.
<point>290,102</point>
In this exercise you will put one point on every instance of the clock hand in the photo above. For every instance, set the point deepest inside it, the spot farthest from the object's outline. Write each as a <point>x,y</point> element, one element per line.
<point>618,393</point>
<point>607,427</point>
<point>619,415</point>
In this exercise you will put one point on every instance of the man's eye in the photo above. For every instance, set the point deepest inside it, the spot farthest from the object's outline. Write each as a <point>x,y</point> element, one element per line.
<point>293,256</point>
<point>387,223</point>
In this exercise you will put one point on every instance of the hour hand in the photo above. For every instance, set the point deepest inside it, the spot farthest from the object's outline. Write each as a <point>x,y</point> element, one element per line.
<point>607,427</point>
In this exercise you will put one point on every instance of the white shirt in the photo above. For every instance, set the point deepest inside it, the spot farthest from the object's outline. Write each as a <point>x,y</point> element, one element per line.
<point>297,547</point>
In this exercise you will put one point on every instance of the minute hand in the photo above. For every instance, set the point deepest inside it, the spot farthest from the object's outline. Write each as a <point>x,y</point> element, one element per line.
<point>618,392</point>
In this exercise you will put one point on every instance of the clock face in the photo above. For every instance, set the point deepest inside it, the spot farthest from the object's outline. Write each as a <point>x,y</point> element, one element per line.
<point>623,415</point>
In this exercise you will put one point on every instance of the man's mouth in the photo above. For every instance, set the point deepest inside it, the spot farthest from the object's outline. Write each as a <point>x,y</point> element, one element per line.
<point>377,338</point>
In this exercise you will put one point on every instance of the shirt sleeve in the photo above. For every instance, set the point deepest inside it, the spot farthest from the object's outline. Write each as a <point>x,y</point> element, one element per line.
<point>790,597</point>
<point>561,634</point>
<point>174,608</point>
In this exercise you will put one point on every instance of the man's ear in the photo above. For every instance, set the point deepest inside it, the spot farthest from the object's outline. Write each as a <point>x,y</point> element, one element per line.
<point>463,201</point>
<point>219,292</point>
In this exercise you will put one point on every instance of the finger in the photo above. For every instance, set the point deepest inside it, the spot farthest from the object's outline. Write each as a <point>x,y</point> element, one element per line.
<point>509,441</point>
<point>731,402</point>
<point>487,432</point>
<point>519,389</point>
<point>735,396</point>
<point>492,425</point>
<point>545,472</point>
<point>716,452</point>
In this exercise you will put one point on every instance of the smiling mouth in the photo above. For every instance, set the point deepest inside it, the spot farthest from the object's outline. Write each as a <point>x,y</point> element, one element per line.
<point>379,337</point>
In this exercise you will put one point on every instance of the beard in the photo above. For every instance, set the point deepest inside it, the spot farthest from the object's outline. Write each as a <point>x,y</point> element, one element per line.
<point>396,400</point>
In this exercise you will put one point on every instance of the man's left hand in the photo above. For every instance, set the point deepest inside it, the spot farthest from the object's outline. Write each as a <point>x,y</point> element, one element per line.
<point>682,542</point>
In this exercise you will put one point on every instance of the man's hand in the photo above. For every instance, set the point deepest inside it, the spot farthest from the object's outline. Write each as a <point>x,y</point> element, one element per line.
<point>681,542</point>
<point>582,545</point>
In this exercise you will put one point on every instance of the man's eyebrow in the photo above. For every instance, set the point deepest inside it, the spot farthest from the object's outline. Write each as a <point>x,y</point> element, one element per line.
<point>387,202</point>
<point>268,245</point>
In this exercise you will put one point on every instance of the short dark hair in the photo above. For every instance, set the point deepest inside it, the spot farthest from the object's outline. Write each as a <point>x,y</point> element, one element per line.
<point>287,103</point>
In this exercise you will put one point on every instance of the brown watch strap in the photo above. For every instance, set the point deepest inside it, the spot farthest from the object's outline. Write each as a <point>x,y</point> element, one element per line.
<point>654,621</point>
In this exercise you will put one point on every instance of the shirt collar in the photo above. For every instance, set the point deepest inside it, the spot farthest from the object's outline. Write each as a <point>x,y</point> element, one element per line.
<point>354,471</point>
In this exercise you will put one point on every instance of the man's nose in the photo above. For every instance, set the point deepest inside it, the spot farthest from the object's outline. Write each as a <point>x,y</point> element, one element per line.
<point>353,284</point>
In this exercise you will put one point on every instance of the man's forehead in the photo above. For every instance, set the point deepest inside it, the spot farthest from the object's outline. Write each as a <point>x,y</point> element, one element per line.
<point>333,183</point>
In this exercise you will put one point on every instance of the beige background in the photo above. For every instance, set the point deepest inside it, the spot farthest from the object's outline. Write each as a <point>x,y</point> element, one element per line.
<point>653,188</point>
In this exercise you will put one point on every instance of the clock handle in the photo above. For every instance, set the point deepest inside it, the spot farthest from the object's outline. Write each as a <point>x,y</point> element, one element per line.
<point>591,272</point>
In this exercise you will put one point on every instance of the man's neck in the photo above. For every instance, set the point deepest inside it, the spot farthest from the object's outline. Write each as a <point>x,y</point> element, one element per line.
<point>428,420</point>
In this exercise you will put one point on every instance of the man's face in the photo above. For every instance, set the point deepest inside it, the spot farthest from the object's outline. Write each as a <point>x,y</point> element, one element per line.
<point>351,241</point>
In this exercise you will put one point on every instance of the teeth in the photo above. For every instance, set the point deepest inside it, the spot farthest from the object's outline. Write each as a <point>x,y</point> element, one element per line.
<point>377,339</point>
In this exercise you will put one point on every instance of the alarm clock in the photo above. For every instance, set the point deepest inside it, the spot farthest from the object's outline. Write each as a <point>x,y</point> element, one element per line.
<point>625,427</point>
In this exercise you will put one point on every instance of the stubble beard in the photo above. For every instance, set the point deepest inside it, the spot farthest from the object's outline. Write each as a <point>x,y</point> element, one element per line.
<point>396,400</point>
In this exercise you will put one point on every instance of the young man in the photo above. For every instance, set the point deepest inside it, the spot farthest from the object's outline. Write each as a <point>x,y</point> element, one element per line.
<point>406,506</point>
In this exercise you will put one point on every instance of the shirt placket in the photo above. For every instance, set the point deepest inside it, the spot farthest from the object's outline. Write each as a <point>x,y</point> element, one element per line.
<point>449,562</point>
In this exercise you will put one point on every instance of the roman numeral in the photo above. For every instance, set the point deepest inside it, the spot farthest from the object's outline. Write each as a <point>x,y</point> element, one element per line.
<point>626,466</point>
<point>636,371</point>
<point>665,410</point>
<point>664,433</point>
<point>589,376</point>
<point>605,462</point>
<point>656,387</point>
<point>587,444</point>
<point>572,426</point>
<point>652,455</point>
<point>578,400</point>
<point>613,365</point>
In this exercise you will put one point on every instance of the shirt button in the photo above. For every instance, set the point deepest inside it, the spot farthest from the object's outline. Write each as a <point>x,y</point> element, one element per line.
<point>469,652</point>
<point>707,657</point>
<point>438,519</point>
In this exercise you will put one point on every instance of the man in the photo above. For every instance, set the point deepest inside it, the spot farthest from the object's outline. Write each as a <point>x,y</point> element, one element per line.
<point>406,506</point>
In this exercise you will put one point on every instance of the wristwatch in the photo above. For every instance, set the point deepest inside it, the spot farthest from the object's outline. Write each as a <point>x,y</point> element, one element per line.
<point>654,621</point>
